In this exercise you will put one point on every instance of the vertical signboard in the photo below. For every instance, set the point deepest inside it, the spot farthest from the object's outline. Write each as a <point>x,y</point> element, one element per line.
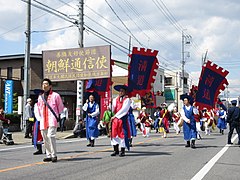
<point>8,91</point>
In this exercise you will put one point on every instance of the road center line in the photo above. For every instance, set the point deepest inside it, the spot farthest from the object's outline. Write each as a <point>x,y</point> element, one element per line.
<point>211,163</point>
<point>68,157</point>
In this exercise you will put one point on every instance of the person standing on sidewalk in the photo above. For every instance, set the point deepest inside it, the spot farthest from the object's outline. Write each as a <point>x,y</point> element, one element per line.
<point>2,119</point>
<point>233,118</point>
<point>29,119</point>
<point>92,110</point>
<point>49,106</point>
<point>63,117</point>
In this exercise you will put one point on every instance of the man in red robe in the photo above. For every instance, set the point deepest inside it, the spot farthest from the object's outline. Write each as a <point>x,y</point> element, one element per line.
<point>120,128</point>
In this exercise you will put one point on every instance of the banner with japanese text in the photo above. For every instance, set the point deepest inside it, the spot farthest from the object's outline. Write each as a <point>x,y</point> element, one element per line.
<point>77,63</point>
<point>211,82</point>
<point>141,71</point>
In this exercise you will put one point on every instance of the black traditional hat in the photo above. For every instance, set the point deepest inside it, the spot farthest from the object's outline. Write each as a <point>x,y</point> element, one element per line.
<point>38,91</point>
<point>118,87</point>
<point>183,96</point>
<point>234,102</point>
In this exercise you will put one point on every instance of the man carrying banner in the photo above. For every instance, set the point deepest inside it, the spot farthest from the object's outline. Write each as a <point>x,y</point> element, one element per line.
<point>120,128</point>
<point>189,124</point>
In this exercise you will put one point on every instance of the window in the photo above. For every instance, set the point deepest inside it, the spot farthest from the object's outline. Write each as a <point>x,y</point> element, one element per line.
<point>161,79</point>
<point>22,72</point>
<point>9,73</point>
<point>185,80</point>
<point>168,81</point>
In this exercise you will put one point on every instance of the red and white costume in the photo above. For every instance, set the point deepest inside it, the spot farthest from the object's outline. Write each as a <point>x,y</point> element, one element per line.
<point>120,108</point>
<point>164,125</point>
<point>145,123</point>
<point>176,117</point>
<point>207,118</point>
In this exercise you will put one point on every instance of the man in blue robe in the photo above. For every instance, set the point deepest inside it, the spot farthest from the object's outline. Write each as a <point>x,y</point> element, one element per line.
<point>189,124</point>
<point>92,111</point>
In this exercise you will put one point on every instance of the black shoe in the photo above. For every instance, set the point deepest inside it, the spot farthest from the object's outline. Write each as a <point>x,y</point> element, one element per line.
<point>188,144</point>
<point>27,137</point>
<point>88,145</point>
<point>47,159</point>
<point>193,144</point>
<point>116,150</point>
<point>54,159</point>
<point>122,153</point>
<point>37,153</point>
<point>92,143</point>
<point>114,153</point>
<point>230,143</point>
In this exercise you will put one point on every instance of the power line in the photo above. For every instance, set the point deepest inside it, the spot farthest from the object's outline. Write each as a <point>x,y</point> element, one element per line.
<point>64,17</point>
<point>107,29</point>
<point>106,20</point>
<point>106,38</point>
<point>132,19</point>
<point>123,23</point>
<point>52,30</point>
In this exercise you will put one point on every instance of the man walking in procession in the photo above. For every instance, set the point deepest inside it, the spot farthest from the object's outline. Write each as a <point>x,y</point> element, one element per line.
<point>49,106</point>
<point>92,110</point>
<point>120,128</point>
<point>189,124</point>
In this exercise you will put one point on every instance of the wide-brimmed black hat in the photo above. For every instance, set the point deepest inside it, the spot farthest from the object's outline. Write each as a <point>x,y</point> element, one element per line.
<point>118,87</point>
<point>190,99</point>
<point>183,96</point>
<point>38,91</point>
<point>234,102</point>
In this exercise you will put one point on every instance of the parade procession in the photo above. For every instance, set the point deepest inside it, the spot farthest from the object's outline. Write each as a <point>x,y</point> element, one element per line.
<point>123,113</point>
<point>132,112</point>
<point>114,90</point>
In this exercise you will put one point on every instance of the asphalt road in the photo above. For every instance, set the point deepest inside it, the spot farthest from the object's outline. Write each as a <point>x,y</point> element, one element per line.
<point>151,158</point>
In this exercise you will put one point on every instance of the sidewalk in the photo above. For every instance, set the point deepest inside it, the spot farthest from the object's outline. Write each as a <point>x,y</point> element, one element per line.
<point>18,137</point>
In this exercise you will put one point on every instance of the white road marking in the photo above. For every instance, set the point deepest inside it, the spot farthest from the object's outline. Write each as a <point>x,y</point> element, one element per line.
<point>211,163</point>
<point>58,142</point>
<point>14,148</point>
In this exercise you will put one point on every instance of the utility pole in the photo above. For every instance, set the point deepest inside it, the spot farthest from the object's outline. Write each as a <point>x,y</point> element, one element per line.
<point>80,83</point>
<point>185,41</point>
<point>183,61</point>
<point>80,24</point>
<point>27,58</point>
<point>204,58</point>
<point>177,88</point>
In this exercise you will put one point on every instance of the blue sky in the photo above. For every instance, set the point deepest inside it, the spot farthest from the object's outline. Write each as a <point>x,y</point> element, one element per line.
<point>213,25</point>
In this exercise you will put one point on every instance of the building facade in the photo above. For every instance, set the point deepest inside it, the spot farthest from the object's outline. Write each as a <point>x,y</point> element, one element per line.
<point>12,68</point>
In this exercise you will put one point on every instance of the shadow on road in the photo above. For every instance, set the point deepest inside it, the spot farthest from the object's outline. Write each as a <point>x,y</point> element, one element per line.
<point>77,159</point>
<point>68,152</point>
<point>147,153</point>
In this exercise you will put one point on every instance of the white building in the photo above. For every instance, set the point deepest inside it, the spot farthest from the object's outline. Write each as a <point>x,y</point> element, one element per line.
<point>174,88</point>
